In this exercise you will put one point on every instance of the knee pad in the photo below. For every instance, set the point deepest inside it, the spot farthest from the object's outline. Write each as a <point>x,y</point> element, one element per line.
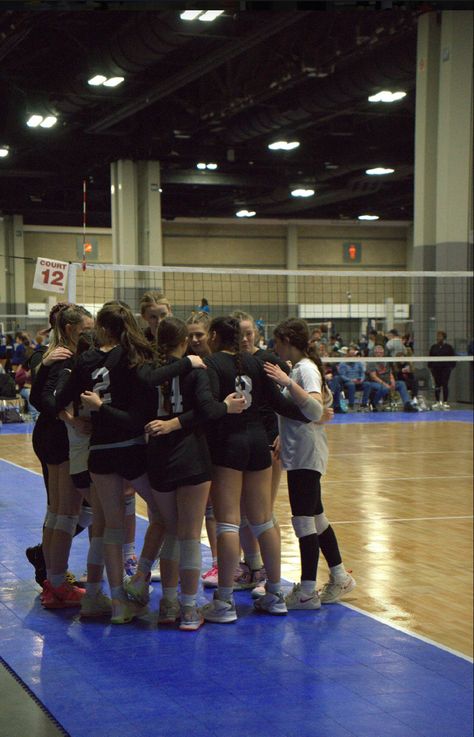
<point>260,529</point>
<point>190,555</point>
<point>303,526</point>
<point>113,536</point>
<point>244,523</point>
<point>210,512</point>
<point>130,504</point>
<point>95,556</point>
<point>170,548</point>
<point>66,523</point>
<point>321,522</point>
<point>222,527</point>
<point>85,517</point>
<point>50,520</point>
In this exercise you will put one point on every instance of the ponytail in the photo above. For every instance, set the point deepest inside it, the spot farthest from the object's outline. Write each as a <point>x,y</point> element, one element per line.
<point>296,331</point>
<point>228,331</point>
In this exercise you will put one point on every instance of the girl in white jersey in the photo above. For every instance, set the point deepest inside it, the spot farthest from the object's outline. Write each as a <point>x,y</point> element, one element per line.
<point>304,454</point>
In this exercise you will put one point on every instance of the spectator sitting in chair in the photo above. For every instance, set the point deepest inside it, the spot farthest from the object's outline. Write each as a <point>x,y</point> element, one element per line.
<point>352,376</point>
<point>394,345</point>
<point>404,372</point>
<point>381,382</point>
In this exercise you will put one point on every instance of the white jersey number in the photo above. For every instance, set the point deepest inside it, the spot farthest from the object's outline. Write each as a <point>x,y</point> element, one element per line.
<point>102,386</point>
<point>243,387</point>
<point>175,398</point>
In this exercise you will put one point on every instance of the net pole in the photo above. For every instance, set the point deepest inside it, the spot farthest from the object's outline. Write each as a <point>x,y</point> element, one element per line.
<point>84,222</point>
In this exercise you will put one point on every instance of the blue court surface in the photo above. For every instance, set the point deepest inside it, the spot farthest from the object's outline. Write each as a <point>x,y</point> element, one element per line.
<point>332,673</point>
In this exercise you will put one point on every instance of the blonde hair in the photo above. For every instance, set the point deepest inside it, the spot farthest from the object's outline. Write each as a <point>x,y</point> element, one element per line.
<point>200,318</point>
<point>150,299</point>
<point>67,314</point>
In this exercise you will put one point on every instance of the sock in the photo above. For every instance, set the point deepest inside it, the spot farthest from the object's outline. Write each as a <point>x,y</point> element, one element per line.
<point>254,561</point>
<point>170,592</point>
<point>93,588</point>
<point>56,579</point>
<point>308,587</point>
<point>338,573</point>
<point>188,599</point>
<point>224,593</point>
<point>273,588</point>
<point>145,566</point>
<point>118,593</point>
<point>128,550</point>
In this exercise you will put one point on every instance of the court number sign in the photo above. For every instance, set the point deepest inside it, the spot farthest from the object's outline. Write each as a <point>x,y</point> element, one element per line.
<point>50,275</point>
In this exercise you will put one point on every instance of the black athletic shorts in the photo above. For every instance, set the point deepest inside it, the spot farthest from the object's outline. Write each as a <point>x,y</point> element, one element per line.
<point>81,480</point>
<point>246,450</point>
<point>164,487</point>
<point>50,441</point>
<point>129,462</point>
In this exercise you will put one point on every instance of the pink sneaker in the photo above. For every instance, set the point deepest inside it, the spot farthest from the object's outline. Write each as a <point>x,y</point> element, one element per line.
<point>209,578</point>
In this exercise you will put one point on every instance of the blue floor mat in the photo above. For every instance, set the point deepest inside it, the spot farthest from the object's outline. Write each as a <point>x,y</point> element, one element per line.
<point>331,673</point>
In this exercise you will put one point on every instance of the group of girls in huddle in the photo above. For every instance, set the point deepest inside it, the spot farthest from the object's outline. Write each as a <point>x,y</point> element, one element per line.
<point>178,429</point>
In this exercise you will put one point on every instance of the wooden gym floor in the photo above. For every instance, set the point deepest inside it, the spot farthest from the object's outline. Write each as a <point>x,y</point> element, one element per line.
<point>399,495</point>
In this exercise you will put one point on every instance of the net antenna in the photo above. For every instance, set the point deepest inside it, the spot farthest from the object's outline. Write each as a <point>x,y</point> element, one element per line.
<point>84,223</point>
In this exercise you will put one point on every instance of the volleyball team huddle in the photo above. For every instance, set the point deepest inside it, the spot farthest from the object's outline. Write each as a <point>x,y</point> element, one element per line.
<point>199,421</point>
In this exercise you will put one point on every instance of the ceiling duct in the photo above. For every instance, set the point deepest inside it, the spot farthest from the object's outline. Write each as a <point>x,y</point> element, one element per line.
<point>334,95</point>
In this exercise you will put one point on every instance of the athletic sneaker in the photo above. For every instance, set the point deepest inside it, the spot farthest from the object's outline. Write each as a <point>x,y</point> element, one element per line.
<point>334,590</point>
<point>297,599</point>
<point>138,589</point>
<point>124,611</point>
<point>271,603</point>
<point>437,405</point>
<point>244,578</point>
<point>258,591</point>
<point>219,611</point>
<point>130,565</point>
<point>96,606</point>
<point>169,611</point>
<point>155,571</point>
<point>209,578</point>
<point>63,596</point>
<point>445,405</point>
<point>190,618</point>
<point>36,558</point>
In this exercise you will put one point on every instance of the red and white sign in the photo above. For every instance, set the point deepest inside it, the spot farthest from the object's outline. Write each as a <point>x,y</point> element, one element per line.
<point>50,275</point>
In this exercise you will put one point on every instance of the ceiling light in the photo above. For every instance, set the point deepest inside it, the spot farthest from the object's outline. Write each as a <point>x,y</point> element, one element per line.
<point>201,165</point>
<point>97,80</point>
<point>34,121</point>
<point>387,96</point>
<point>4,151</point>
<point>49,121</point>
<point>190,14</point>
<point>210,15</point>
<point>246,213</point>
<point>211,166</point>
<point>302,192</point>
<point>378,171</point>
<point>368,217</point>
<point>283,145</point>
<point>113,81</point>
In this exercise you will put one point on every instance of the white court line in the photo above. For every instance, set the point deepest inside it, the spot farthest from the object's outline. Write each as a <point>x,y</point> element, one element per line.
<point>388,623</point>
<point>397,519</point>
<point>398,478</point>
<point>406,452</point>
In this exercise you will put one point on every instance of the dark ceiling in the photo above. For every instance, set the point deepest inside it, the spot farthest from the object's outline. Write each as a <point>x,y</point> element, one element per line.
<point>213,92</point>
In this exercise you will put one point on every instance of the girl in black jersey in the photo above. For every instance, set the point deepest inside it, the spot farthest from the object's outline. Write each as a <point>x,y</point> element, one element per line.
<point>242,467</point>
<point>198,334</point>
<point>251,573</point>
<point>154,307</point>
<point>107,376</point>
<point>51,445</point>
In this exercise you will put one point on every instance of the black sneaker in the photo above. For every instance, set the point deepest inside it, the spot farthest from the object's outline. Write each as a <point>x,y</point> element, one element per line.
<point>35,557</point>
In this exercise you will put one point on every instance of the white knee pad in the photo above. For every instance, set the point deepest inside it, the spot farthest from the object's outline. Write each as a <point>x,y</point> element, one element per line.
<point>66,523</point>
<point>170,548</point>
<point>50,520</point>
<point>321,522</point>
<point>113,536</point>
<point>222,527</point>
<point>190,555</point>
<point>303,526</point>
<point>260,529</point>
<point>210,512</point>
<point>95,556</point>
<point>243,522</point>
<point>130,504</point>
<point>85,517</point>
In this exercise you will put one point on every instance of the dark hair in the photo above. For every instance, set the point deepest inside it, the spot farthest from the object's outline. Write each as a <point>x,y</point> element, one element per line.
<point>171,333</point>
<point>204,302</point>
<point>228,330</point>
<point>297,333</point>
<point>119,322</point>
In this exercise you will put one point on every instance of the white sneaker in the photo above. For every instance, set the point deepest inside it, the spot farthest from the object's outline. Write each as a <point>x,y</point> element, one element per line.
<point>96,606</point>
<point>258,591</point>
<point>271,603</point>
<point>445,405</point>
<point>155,571</point>
<point>219,611</point>
<point>334,590</point>
<point>436,405</point>
<point>169,611</point>
<point>137,589</point>
<point>297,599</point>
